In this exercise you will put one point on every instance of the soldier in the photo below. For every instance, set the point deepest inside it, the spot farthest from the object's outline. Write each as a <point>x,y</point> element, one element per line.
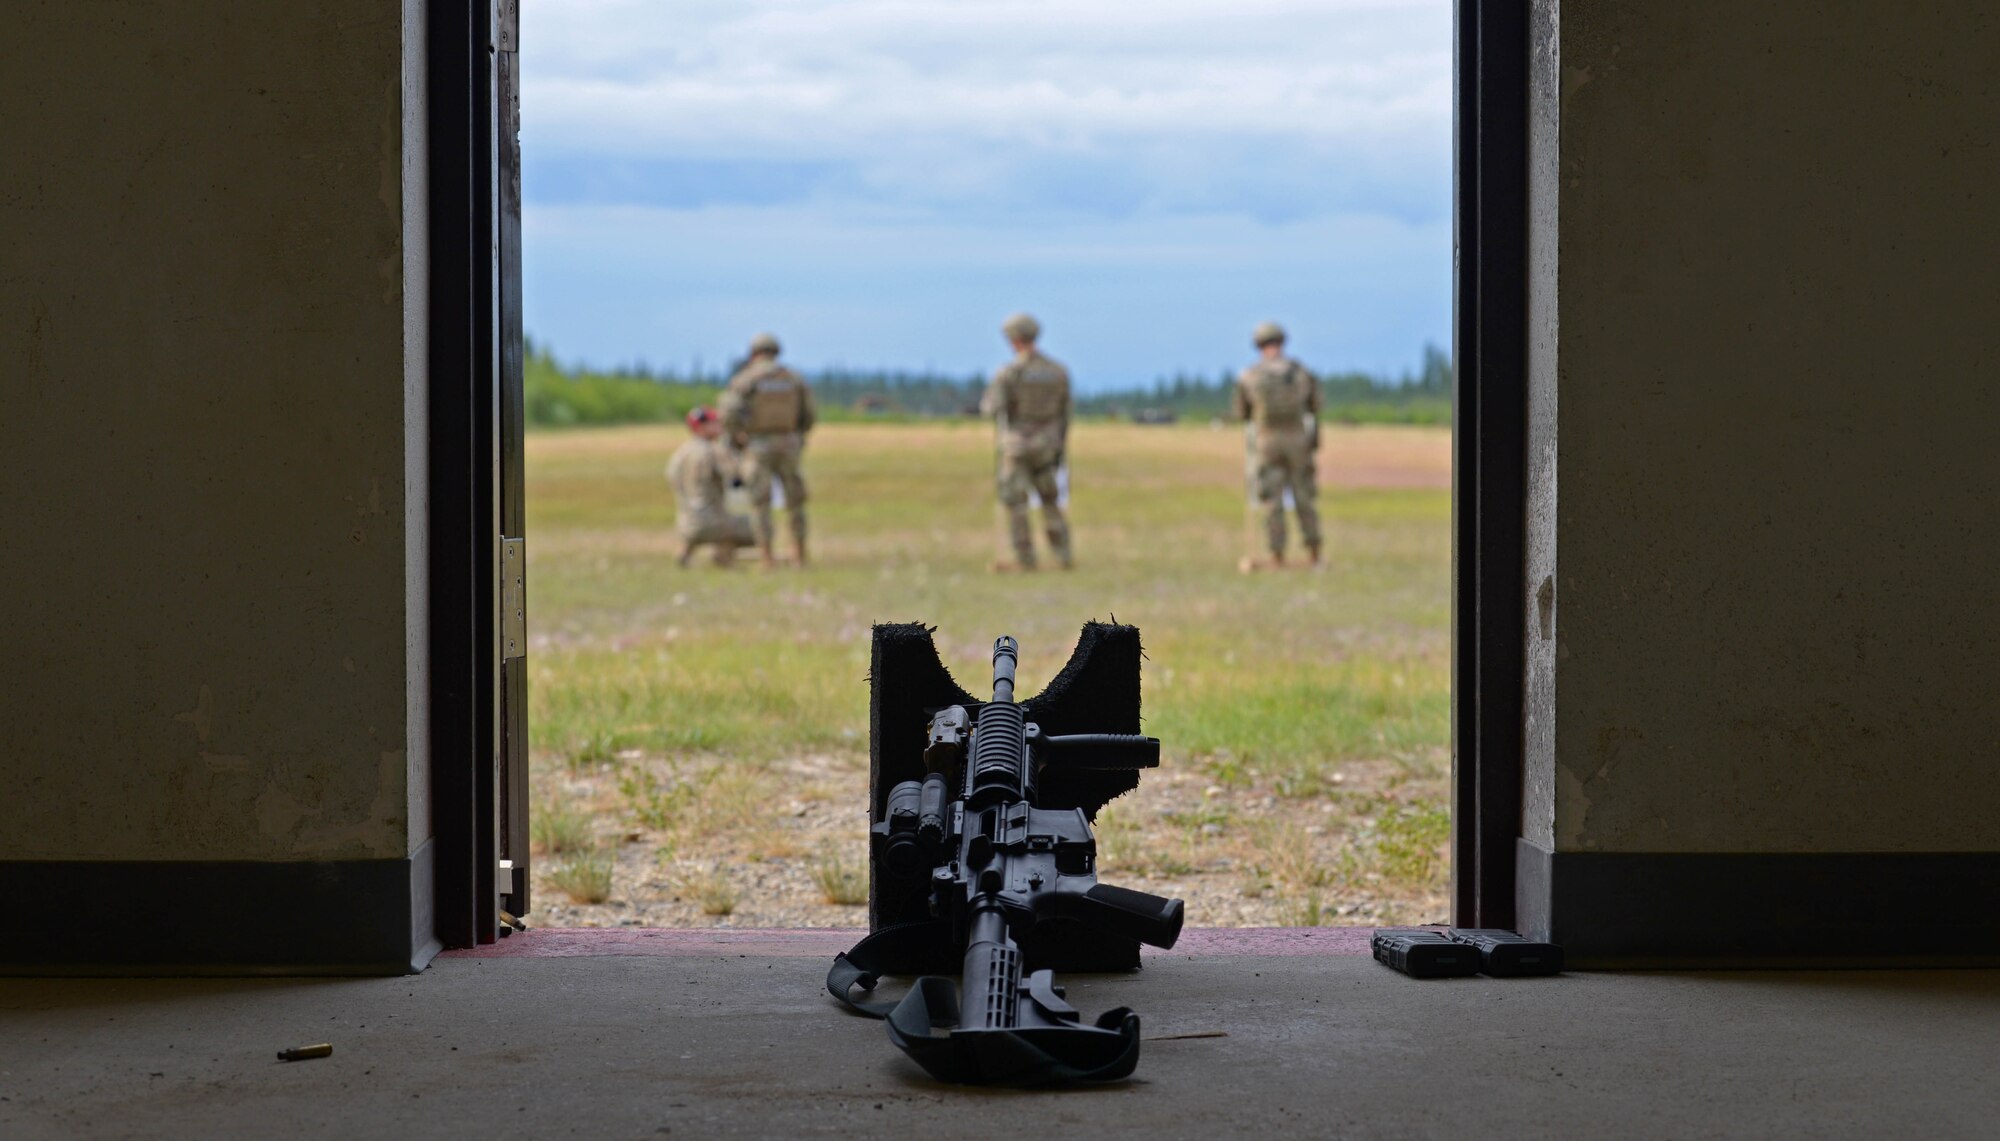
<point>1029,398</point>
<point>1280,399</point>
<point>699,473</point>
<point>769,409</point>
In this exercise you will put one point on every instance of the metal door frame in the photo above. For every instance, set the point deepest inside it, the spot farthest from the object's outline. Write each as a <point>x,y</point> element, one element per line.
<point>1489,462</point>
<point>479,757</point>
<point>479,778</point>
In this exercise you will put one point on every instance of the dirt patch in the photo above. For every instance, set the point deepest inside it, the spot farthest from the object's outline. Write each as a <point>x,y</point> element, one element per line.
<point>1384,458</point>
<point>701,841</point>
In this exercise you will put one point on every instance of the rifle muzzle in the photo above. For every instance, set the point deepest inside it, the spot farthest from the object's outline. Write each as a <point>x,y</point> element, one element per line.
<point>1005,653</point>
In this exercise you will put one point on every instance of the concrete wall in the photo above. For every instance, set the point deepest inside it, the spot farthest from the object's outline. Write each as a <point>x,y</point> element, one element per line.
<point>1765,274</point>
<point>211,349</point>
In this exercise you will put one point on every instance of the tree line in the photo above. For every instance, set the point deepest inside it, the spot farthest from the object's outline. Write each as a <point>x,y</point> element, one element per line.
<point>559,395</point>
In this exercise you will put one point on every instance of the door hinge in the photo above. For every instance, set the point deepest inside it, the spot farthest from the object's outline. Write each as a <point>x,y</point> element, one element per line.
<point>514,597</point>
<point>507,25</point>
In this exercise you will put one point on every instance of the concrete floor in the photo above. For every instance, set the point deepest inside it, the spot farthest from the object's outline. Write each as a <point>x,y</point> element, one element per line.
<point>695,1035</point>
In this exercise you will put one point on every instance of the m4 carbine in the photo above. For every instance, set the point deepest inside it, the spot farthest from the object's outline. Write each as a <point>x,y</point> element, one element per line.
<point>997,865</point>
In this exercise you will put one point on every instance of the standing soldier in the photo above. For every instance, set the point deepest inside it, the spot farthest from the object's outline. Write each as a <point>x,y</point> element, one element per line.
<point>699,473</point>
<point>1029,398</point>
<point>1280,399</point>
<point>769,409</point>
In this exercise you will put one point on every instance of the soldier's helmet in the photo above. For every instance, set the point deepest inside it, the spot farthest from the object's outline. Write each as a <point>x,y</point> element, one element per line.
<point>1022,327</point>
<point>1268,333</point>
<point>764,343</point>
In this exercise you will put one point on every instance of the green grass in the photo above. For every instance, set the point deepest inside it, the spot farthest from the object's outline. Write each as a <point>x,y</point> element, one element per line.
<point>839,880</point>
<point>557,827</point>
<point>693,691</point>
<point>712,889</point>
<point>1273,676</point>
<point>585,877</point>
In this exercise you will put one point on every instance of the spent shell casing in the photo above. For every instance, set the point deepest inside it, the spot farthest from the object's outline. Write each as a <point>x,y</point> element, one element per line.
<point>301,1053</point>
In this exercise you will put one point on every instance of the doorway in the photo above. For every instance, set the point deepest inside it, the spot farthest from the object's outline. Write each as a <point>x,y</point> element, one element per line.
<point>1480,598</point>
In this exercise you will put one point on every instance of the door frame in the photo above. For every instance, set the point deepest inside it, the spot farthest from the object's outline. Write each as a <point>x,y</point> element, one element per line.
<point>1489,461</point>
<point>478,691</point>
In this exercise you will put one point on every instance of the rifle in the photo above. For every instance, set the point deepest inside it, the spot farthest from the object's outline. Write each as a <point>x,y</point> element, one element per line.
<point>1000,868</point>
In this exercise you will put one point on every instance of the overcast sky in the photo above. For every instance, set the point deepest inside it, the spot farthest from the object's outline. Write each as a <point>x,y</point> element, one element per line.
<point>880,182</point>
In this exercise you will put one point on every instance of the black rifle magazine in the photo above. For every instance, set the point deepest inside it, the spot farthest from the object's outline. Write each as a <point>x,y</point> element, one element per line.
<point>1423,954</point>
<point>1505,954</point>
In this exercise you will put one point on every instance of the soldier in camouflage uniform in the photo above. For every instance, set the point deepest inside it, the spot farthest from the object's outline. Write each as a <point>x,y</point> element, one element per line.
<point>1280,400</point>
<point>699,473</point>
<point>769,409</point>
<point>1029,398</point>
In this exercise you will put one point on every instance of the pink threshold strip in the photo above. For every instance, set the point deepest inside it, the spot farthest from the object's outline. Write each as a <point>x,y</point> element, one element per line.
<point>817,942</point>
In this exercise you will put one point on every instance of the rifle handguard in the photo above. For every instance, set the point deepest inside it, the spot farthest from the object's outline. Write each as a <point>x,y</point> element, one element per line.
<point>1098,751</point>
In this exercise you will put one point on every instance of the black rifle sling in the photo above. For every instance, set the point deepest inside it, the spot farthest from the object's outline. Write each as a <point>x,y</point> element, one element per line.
<point>904,949</point>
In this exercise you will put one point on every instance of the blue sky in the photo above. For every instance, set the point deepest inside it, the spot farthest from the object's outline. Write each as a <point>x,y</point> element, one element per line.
<point>880,182</point>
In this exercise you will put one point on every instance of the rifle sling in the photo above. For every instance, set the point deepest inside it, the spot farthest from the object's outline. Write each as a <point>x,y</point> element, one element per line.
<point>904,949</point>
<point>932,1005</point>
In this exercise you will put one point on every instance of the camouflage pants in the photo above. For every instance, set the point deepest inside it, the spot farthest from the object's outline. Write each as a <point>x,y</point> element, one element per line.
<point>1283,461</point>
<point>722,531</point>
<point>1020,473</point>
<point>775,459</point>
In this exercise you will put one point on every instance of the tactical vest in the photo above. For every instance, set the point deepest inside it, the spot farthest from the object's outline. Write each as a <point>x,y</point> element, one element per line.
<point>775,404</point>
<point>1279,395</point>
<point>1040,394</point>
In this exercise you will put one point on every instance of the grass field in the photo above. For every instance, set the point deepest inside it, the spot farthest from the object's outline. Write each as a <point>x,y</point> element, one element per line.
<point>700,735</point>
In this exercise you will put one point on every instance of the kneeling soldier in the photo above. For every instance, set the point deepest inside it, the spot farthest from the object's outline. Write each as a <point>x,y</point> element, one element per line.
<point>1280,399</point>
<point>769,410</point>
<point>700,473</point>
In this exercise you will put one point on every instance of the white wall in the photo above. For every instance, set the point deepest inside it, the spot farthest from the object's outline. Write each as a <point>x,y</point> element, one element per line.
<point>211,314</point>
<point>1765,281</point>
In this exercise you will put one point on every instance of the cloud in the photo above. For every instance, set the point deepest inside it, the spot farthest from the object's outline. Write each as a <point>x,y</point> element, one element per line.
<point>883,179</point>
<point>1278,106</point>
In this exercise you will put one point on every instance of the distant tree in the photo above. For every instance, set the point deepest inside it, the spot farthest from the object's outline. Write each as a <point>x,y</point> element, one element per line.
<point>636,392</point>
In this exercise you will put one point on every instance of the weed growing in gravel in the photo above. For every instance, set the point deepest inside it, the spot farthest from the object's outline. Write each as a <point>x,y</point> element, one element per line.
<point>1308,912</point>
<point>1290,854</point>
<point>1410,842</point>
<point>595,749</point>
<point>1118,839</point>
<point>557,827</point>
<point>585,877</point>
<point>668,805</point>
<point>840,881</point>
<point>712,888</point>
